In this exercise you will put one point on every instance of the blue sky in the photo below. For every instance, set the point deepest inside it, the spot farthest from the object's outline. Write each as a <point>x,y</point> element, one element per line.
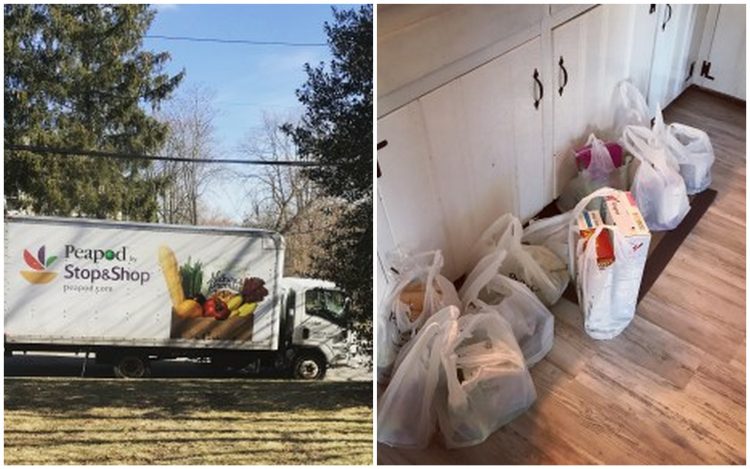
<point>246,79</point>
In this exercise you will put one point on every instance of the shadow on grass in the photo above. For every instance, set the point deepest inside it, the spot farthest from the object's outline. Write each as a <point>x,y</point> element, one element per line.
<point>169,398</point>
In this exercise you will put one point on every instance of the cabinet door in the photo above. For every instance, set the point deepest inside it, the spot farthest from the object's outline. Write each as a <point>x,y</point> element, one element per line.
<point>485,140</point>
<point>726,50</point>
<point>670,68</point>
<point>385,246</point>
<point>408,199</point>
<point>644,19</point>
<point>595,50</point>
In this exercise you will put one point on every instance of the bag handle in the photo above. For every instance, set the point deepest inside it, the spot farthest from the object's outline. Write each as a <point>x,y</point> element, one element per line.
<point>483,272</point>
<point>572,225</point>
<point>600,164</point>
<point>591,248</point>
<point>645,146</point>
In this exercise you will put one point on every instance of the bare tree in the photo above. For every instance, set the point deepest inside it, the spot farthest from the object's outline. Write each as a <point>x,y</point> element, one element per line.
<point>190,118</point>
<point>282,198</point>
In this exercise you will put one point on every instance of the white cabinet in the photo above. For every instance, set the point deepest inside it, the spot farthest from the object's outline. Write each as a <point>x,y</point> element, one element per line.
<point>479,155</point>
<point>591,54</point>
<point>670,69</point>
<point>476,145</point>
<point>422,47</point>
<point>408,198</point>
<point>723,50</point>
<point>385,245</point>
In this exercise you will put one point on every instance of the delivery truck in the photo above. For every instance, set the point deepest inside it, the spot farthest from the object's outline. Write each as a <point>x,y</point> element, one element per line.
<point>130,293</point>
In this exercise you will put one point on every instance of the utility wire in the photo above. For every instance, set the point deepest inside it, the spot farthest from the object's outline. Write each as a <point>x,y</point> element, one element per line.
<point>132,156</point>
<point>236,41</point>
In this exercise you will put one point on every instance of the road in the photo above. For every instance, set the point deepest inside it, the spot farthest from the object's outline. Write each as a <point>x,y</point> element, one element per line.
<point>34,364</point>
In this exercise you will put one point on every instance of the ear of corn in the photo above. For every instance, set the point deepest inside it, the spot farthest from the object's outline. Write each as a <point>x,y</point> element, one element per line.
<point>169,268</point>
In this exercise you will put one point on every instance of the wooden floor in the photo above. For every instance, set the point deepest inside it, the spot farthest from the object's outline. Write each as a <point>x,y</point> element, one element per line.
<point>671,388</point>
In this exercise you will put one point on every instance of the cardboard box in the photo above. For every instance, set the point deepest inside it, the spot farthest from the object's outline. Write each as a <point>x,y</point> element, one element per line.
<point>621,210</point>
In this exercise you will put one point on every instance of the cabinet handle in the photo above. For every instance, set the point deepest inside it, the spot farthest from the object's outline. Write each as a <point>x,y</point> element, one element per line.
<point>541,89</point>
<point>565,75</point>
<point>652,8</point>
<point>669,17</point>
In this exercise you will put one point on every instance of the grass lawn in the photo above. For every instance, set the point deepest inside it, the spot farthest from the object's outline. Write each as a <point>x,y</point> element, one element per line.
<point>186,421</point>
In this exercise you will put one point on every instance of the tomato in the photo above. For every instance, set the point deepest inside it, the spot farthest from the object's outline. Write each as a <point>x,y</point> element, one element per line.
<point>215,308</point>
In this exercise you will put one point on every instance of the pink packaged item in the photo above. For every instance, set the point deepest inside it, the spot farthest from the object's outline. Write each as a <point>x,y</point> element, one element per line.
<point>583,155</point>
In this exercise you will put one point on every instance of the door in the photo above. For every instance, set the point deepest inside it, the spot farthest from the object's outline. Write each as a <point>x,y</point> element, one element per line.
<point>321,322</point>
<point>643,24</point>
<point>591,54</point>
<point>725,50</point>
<point>385,246</point>
<point>484,133</point>
<point>670,68</point>
<point>408,199</point>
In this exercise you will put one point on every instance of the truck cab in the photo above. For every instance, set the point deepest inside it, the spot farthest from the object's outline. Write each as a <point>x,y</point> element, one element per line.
<point>314,328</point>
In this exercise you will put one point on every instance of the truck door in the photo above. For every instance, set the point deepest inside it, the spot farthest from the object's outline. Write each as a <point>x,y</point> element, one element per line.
<point>321,319</point>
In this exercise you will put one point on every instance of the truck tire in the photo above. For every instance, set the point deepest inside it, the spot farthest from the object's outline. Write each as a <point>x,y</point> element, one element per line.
<point>309,366</point>
<point>132,366</point>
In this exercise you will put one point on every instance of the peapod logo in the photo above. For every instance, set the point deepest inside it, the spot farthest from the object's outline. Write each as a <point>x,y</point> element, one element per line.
<point>40,265</point>
<point>95,254</point>
<point>95,274</point>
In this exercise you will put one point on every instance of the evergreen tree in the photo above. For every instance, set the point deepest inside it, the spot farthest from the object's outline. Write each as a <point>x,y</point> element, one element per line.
<point>76,77</point>
<point>337,129</point>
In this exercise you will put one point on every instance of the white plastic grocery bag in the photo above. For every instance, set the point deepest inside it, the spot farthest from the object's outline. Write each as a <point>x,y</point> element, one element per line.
<point>535,266</point>
<point>630,108</point>
<point>487,382</point>
<point>607,310</point>
<point>531,321</point>
<point>550,232</point>
<point>407,416</point>
<point>607,295</point>
<point>657,186</point>
<point>692,150</point>
<point>417,292</point>
<point>601,172</point>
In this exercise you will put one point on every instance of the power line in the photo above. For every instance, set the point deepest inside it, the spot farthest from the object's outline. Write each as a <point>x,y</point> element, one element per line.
<point>236,41</point>
<point>133,156</point>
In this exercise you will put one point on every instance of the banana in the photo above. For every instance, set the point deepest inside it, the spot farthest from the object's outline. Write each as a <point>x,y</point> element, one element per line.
<point>234,302</point>
<point>247,309</point>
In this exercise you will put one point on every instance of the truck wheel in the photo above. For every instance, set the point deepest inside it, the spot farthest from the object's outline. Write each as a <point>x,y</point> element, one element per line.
<point>309,366</point>
<point>132,366</point>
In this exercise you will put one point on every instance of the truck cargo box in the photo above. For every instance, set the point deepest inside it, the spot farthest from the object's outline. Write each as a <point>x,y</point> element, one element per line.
<point>77,281</point>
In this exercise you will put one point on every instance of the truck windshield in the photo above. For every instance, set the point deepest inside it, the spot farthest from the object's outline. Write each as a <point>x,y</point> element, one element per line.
<point>330,304</point>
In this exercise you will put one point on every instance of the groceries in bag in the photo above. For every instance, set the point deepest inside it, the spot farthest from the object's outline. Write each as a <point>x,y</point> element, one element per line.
<point>588,221</point>
<point>657,186</point>
<point>531,321</point>
<point>417,292</point>
<point>487,382</point>
<point>691,149</point>
<point>608,294</point>
<point>535,266</point>
<point>406,414</point>
<point>550,232</point>
<point>599,164</point>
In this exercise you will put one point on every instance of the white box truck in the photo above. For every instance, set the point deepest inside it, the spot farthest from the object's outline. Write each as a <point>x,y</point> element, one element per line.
<point>130,293</point>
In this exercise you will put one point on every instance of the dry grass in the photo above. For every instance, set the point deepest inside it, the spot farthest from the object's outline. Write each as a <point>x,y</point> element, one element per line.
<point>186,421</point>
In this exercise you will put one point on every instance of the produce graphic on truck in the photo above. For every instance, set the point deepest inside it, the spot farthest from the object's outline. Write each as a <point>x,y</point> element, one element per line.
<point>195,312</point>
<point>132,293</point>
